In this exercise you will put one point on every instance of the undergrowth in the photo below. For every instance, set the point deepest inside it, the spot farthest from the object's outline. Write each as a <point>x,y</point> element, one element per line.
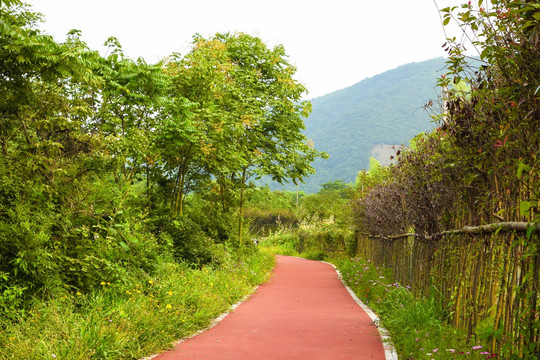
<point>282,243</point>
<point>417,325</point>
<point>133,319</point>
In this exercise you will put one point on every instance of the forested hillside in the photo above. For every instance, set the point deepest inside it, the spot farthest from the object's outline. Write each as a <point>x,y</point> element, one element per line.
<point>384,109</point>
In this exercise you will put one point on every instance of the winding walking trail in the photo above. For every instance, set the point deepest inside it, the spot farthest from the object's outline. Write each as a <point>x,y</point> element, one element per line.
<point>303,312</point>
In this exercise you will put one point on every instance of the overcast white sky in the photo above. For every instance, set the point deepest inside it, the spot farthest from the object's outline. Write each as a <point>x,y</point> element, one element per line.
<point>333,43</point>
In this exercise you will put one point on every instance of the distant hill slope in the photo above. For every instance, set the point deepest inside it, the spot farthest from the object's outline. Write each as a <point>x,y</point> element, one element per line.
<point>383,109</point>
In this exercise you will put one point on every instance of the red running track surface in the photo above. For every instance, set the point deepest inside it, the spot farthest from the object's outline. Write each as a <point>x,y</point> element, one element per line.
<point>302,312</point>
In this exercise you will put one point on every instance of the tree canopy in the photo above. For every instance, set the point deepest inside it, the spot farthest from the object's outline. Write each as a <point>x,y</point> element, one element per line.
<point>107,161</point>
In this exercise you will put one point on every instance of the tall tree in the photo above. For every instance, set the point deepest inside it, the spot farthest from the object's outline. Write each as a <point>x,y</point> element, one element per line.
<point>263,102</point>
<point>248,120</point>
<point>190,141</point>
<point>47,152</point>
<point>133,97</point>
<point>271,114</point>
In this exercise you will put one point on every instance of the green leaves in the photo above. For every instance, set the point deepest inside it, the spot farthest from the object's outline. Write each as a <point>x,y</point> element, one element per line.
<point>245,92</point>
<point>447,14</point>
<point>9,2</point>
<point>524,207</point>
<point>97,152</point>
<point>522,168</point>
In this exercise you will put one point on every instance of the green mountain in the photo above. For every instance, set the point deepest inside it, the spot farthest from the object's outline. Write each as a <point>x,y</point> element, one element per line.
<point>354,123</point>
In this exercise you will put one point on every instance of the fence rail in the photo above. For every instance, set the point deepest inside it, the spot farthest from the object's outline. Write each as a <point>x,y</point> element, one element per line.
<point>501,226</point>
<point>486,276</point>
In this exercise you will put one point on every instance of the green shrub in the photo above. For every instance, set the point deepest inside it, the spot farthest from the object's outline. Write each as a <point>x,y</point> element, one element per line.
<point>11,298</point>
<point>221,226</point>
<point>282,243</point>
<point>192,245</point>
<point>134,318</point>
<point>330,238</point>
<point>316,255</point>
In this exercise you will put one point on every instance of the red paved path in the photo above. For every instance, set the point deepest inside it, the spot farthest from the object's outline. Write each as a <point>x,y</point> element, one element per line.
<point>302,312</point>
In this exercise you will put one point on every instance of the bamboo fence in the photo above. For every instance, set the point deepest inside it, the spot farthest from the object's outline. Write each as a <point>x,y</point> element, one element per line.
<point>487,277</point>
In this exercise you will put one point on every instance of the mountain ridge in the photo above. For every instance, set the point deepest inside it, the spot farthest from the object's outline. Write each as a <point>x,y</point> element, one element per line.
<point>385,109</point>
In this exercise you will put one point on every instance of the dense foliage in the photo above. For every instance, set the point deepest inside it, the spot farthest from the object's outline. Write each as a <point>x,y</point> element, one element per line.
<point>313,226</point>
<point>268,210</point>
<point>480,166</point>
<point>132,320</point>
<point>416,324</point>
<point>110,165</point>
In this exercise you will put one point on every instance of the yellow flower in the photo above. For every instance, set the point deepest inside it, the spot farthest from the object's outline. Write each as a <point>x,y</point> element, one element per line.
<point>150,282</point>
<point>170,293</point>
<point>103,283</point>
<point>78,293</point>
<point>169,306</point>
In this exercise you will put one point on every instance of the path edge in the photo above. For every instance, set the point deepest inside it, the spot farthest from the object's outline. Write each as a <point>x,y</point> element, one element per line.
<point>213,323</point>
<point>216,320</point>
<point>389,350</point>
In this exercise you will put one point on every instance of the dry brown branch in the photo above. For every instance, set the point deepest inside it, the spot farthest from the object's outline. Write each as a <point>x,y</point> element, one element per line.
<point>501,226</point>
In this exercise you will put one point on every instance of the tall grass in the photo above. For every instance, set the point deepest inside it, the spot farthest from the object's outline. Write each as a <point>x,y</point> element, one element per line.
<point>282,242</point>
<point>417,325</point>
<point>133,319</point>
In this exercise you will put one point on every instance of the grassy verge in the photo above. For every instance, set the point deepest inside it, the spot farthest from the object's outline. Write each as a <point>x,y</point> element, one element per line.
<point>281,243</point>
<point>290,243</point>
<point>417,325</point>
<point>133,319</point>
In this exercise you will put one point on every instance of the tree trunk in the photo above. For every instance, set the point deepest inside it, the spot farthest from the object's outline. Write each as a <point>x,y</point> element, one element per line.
<point>241,216</point>
<point>148,186</point>
<point>178,201</point>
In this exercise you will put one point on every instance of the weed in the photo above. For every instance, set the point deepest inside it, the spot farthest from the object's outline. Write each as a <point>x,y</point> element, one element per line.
<point>417,325</point>
<point>316,255</point>
<point>135,318</point>
<point>282,243</point>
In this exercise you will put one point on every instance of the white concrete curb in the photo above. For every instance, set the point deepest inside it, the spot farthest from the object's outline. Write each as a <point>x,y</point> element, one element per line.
<point>389,350</point>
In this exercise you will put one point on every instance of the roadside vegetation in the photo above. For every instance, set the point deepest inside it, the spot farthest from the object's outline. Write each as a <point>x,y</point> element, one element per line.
<point>135,318</point>
<point>444,244</point>
<point>123,186</point>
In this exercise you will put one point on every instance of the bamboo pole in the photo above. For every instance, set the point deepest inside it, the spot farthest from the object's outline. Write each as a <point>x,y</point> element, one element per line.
<point>535,334</point>
<point>475,279</point>
<point>500,303</point>
<point>486,277</point>
<point>510,292</point>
